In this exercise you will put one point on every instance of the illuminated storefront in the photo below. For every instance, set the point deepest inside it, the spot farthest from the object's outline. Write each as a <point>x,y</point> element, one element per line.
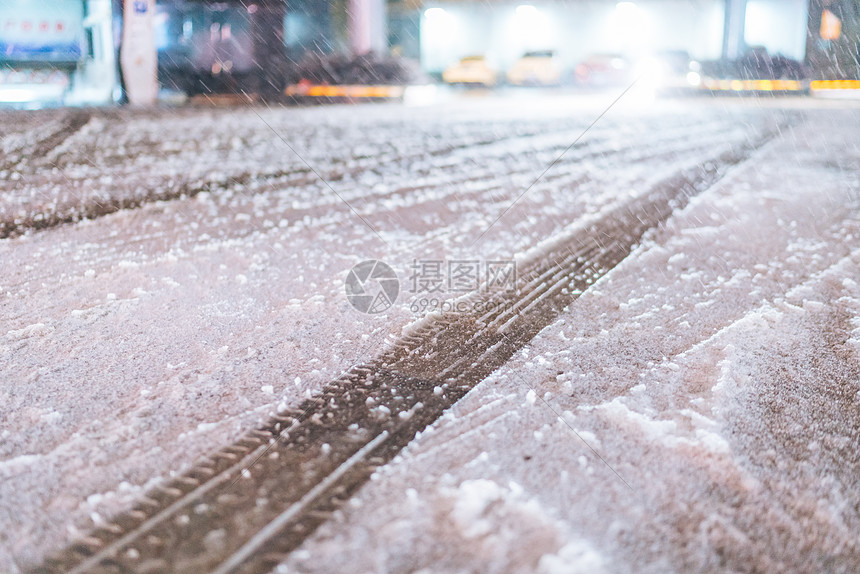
<point>56,52</point>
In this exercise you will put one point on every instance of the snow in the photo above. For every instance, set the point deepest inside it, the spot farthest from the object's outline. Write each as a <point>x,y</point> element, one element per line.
<point>714,371</point>
<point>135,342</point>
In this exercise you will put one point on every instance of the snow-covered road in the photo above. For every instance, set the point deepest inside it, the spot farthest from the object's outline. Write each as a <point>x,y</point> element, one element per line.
<point>696,409</point>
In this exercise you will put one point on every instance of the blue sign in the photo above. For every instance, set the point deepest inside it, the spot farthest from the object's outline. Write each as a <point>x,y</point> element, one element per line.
<point>70,52</point>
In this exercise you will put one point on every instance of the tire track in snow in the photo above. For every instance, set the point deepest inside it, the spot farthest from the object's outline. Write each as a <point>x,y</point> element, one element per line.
<point>244,507</point>
<point>168,189</point>
<point>91,201</point>
<point>69,126</point>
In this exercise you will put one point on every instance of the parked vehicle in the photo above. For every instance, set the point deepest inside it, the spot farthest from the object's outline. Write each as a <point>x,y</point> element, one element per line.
<point>368,69</point>
<point>471,70</point>
<point>604,71</point>
<point>540,68</point>
<point>673,71</point>
<point>756,64</point>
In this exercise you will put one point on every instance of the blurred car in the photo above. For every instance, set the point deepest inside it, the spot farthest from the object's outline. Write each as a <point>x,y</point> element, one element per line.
<point>604,71</point>
<point>756,64</point>
<point>471,70</point>
<point>368,69</point>
<point>673,71</point>
<point>540,68</point>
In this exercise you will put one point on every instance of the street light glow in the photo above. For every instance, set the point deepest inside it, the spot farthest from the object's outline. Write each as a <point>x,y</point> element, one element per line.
<point>435,13</point>
<point>630,28</point>
<point>526,11</point>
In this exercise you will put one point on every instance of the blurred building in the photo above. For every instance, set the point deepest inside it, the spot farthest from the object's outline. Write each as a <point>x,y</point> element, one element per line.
<point>255,47</point>
<point>214,47</point>
<point>66,51</point>
<point>503,31</point>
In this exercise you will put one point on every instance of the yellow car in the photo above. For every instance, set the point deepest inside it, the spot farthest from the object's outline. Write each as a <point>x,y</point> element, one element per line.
<point>536,69</point>
<point>471,70</point>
